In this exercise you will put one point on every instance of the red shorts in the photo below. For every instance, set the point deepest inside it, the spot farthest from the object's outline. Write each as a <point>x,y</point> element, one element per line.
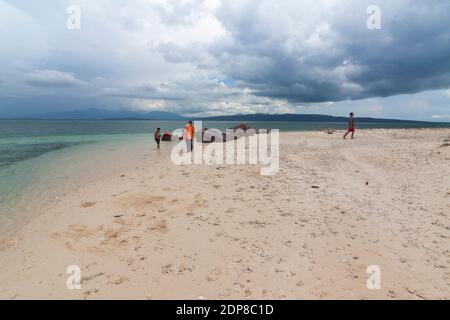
<point>351,130</point>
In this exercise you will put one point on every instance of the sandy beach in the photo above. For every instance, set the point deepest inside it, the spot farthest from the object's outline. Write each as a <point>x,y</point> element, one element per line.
<point>160,231</point>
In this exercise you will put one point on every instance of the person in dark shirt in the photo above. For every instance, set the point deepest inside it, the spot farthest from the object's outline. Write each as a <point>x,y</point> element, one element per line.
<point>158,137</point>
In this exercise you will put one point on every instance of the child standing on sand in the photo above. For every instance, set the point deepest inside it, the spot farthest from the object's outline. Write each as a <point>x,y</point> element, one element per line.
<point>351,126</point>
<point>158,137</point>
<point>189,135</point>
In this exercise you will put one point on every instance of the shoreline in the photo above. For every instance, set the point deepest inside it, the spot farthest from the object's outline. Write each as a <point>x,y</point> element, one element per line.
<point>64,171</point>
<point>14,229</point>
<point>236,234</point>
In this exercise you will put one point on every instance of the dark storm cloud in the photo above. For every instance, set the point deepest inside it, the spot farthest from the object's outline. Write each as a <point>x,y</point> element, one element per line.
<point>334,56</point>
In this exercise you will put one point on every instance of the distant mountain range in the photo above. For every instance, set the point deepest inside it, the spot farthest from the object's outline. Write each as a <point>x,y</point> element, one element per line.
<point>100,114</point>
<point>299,118</point>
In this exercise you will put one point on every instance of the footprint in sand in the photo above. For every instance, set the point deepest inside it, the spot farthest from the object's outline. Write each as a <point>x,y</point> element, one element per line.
<point>160,226</point>
<point>91,277</point>
<point>79,231</point>
<point>117,280</point>
<point>87,204</point>
<point>199,202</point>
<point>214,275</point>
<point>142,201</point>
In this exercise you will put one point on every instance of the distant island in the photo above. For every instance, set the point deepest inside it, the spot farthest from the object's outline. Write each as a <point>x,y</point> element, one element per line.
<point>300,118</point>
<point>101,114</point>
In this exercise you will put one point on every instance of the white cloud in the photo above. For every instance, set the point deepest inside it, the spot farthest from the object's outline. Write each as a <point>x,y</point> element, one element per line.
<point>52,78</point>
<point>441,116</point>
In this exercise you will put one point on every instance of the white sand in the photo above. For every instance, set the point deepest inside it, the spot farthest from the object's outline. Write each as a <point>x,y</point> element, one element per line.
<point>236,234</point>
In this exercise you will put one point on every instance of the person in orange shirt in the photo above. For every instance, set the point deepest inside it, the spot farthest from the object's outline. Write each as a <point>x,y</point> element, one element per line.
<point>189,135</point>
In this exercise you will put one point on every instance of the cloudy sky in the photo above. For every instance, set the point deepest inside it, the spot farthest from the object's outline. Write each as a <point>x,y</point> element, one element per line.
<point>212,57</point>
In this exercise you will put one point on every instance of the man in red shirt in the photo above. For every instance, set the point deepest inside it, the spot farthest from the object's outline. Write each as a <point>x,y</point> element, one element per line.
<point>351,126</point>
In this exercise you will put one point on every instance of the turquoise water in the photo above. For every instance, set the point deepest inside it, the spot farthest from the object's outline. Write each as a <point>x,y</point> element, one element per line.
<point>43,128</point>
<point>41,170</point>
<point>41,161</point>
<point>26,139</point>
